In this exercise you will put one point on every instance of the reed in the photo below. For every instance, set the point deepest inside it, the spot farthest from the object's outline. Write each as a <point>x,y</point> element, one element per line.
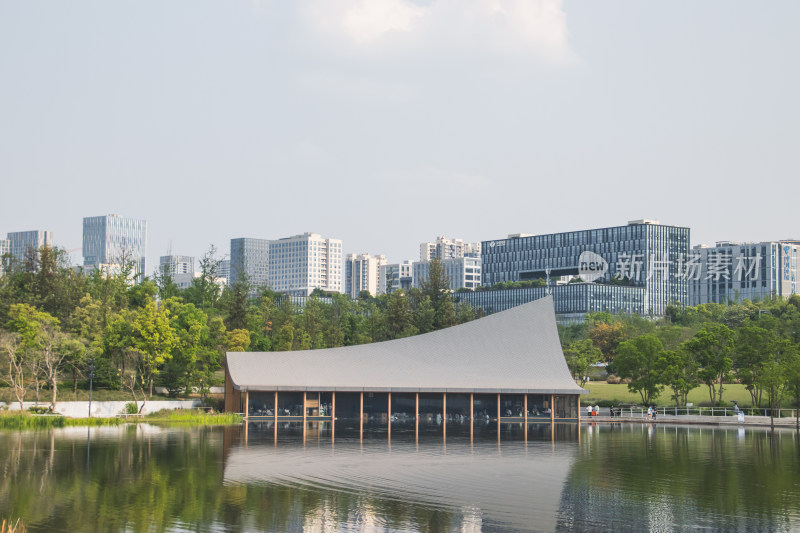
<point>9,526</point>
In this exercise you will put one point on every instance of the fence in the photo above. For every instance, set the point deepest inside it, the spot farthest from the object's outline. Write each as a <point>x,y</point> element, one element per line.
<point>641,412</point>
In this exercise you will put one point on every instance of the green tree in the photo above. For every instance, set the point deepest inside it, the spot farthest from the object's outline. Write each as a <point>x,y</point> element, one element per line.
<point>153,340</point>
<point>437,289</point>
<point>679,372</point>
<point>752,351</point>
<point>13,364</point>
<point>580,356</point>
<point>712,348</point>
<point>638,360</point>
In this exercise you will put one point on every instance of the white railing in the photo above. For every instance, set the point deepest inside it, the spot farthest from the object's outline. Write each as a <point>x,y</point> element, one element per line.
<point>641,412</point>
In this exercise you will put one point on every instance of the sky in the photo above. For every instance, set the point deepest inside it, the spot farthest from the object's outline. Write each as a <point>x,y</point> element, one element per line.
<point>387,123</point>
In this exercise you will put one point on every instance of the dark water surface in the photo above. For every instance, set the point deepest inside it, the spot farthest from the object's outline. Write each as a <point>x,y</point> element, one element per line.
<point>607,478</point>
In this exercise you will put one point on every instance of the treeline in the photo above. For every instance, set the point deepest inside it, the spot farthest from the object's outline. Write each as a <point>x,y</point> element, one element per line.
<point>57,325</point>
<point>756,344</point>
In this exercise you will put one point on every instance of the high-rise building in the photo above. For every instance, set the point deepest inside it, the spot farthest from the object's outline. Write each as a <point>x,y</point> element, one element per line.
<point>643,254</point>
<point>112,241</point>
<point>19,242</point>
<point>5,251</point>
<point>250,257</point>
<point>732,272</point>
<point>462,272</point>
<point>444,248</point>
<point>395,276</point>
<point>176,264</point>
<point>361,273</point>
<point>224,270</point>
<point>302,263</point>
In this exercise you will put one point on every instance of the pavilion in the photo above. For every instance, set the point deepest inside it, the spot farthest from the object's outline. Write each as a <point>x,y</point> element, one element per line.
<point>507,367</point>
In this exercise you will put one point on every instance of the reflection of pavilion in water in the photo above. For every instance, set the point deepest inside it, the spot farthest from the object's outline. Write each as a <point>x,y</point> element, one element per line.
<point>471,479</point>
<point>507,367</point>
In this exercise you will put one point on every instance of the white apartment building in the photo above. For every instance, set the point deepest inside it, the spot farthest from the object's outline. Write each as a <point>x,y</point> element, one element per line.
<point>394,276</point>
<point>732,272</point>
<point>462,272</point>
<point>362,272</point>
<point>176,264</point>
<point>444,248</point>
<point>302,263</point>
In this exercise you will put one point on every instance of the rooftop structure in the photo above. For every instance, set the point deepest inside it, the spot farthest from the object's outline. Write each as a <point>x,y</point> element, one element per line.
<point>514,353</point>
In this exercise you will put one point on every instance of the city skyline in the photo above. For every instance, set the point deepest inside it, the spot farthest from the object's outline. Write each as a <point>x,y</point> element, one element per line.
<point>388,123</point>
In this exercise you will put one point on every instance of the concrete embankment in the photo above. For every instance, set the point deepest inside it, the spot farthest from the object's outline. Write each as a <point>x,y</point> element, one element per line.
<point>108,409</point>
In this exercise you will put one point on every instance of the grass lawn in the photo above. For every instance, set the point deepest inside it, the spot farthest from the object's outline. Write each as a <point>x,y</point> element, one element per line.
<point>7,395</point>
<point>600,391</point>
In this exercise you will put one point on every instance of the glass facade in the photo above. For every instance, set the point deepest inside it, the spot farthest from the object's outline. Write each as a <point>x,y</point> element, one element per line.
<point>114,240</point>
<point>250,256</point>
<point>733,272</point>
<point>642,254</point>
<point>570,301</point>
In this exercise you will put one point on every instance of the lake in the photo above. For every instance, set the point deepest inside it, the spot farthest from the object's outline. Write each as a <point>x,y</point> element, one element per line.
<point>621,477</point>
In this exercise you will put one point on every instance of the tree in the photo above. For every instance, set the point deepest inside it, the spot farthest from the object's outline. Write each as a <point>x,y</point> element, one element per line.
<point>154,340</point>
<point>712,348</point>
<point>399,315</point>
<point>239,340</point>
<point>205,291</point>
<point>437,289</point>
<point>190,327</point>
<point>638,360</point>
<point>679,372</point>
<point>13,354</point>
<point>580,356</point>
<point>752,351</point>
<point>607,336</point>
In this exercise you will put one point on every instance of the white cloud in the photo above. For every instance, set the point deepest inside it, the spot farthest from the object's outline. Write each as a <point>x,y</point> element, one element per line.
<point>516,28</point>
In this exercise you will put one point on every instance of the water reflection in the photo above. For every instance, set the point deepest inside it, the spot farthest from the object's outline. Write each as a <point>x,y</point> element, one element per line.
<point>292,477</point>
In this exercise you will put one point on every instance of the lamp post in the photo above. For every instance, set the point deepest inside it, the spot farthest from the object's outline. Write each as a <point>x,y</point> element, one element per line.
<point>91,377</point>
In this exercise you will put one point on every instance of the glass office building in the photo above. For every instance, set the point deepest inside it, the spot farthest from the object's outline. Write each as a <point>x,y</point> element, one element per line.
<point>572,301</point>
<point>112,240</point>
<point>733,272</point>
<point>642,254</point>
<point>250,257</point>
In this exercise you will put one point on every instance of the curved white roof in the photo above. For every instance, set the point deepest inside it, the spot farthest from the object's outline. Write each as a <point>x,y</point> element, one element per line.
<point>516,351</point>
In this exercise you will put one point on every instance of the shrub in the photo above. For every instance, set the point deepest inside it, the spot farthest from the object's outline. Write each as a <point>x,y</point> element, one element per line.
<point>131,408</point>
<point>613,380</point>
<point>39,410</point>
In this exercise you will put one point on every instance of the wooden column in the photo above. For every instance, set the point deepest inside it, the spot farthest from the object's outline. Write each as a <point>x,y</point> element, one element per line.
<point>525,417</point>
<point>416,418</point>
<point>471,415</point>
<point>305,395</point>
<point>247,404</point>
<point>525,407</point>
<point>498,418</point>
<point>389,408</point>
<point>578,399</point>
<point>444,414</point>
<point>275,409</point>
<point>552,410</point>
<point>333,415</point>
<point>361,417</point>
